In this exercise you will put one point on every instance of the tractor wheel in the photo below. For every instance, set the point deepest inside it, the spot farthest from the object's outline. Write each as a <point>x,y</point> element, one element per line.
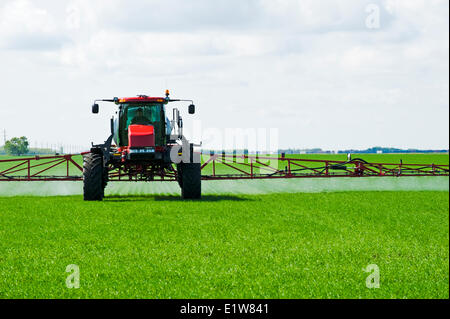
<point>93,179</point>
<point>190,180</point>
<point>179,175</point>
<point>105,179</point>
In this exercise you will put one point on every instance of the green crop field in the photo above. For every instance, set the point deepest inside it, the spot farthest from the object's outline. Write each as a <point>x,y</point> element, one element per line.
<point>244,239</point>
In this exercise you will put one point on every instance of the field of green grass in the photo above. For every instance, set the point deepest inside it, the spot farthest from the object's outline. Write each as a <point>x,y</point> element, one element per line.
<point>244,239</point>
<point>227,246</point>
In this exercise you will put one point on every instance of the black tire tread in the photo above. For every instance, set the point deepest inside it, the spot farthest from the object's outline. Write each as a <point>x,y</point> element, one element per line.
<point>93,181</point>
<point>191,181</point>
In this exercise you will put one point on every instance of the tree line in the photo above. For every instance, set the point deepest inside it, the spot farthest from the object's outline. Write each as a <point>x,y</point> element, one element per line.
<point>17,146</point>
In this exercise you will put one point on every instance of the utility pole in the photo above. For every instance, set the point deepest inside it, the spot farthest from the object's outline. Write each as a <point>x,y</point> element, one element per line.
<point>4,136</point>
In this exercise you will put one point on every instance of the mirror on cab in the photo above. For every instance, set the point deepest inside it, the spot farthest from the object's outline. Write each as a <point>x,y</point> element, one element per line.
<point>191,109</point>
<point>95,108</point>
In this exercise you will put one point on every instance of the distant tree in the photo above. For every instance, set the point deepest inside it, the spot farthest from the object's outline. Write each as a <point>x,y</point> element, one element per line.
<point>17,146</point>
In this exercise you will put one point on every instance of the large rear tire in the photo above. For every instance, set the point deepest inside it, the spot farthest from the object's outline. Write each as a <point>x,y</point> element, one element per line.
<point>190,180</point>
<point>93,177</point>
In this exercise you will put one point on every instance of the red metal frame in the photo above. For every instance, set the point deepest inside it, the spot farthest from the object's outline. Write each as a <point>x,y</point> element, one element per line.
<point>22,169</point>
<point>238,167</point>
<point>309,168</point>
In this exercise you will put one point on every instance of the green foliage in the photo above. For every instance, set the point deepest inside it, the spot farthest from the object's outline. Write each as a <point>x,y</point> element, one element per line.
<point>17,146</point>
<point>227,246</point>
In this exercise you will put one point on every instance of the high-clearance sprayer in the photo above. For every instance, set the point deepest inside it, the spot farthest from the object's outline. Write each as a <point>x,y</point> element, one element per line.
<point>145,145</point>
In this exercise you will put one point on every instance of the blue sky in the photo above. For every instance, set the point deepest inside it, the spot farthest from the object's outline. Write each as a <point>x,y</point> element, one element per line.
<point>312,69</point>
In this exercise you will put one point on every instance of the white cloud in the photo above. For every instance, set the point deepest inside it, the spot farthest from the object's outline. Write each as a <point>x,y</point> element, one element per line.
<point>25,26</point>
<point>22,17</point>
<point>311,68</point>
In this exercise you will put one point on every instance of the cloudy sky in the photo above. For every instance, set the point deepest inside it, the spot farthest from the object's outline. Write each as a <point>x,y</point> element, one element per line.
<point>331,74</point>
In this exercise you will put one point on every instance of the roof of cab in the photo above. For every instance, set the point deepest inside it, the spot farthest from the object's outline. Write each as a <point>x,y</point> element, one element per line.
<point>142,99</point>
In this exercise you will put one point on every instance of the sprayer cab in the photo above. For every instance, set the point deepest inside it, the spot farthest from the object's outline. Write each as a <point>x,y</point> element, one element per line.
<point>144,142</point>
<point>141,124</point>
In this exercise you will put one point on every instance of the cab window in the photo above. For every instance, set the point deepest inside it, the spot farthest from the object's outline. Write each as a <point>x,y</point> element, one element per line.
<point>143,115</point>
